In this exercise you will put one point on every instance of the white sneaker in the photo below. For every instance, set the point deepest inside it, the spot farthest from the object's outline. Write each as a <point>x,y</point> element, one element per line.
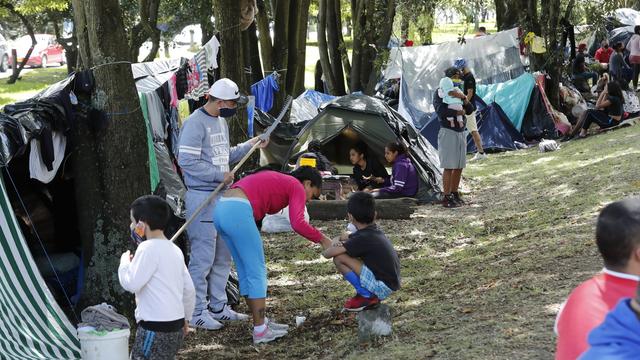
<point>205,321</point>
<point>227,314</point>
<point>268,335</point>
<point>478,156</point>
<point>275,326</point>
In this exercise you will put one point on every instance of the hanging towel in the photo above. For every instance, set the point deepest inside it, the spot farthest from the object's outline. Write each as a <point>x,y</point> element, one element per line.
<point>37,168</point>
<point>211,51</point>
<point>264,91</point>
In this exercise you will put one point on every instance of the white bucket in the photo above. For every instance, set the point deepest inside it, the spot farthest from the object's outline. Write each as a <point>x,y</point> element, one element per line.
<point>113,345</point>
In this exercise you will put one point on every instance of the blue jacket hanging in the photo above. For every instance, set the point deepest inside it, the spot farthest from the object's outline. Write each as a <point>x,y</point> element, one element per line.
<point>264,91</point>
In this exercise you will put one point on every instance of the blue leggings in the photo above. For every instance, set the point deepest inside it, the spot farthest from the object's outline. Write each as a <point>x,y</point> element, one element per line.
<point>233,218</point>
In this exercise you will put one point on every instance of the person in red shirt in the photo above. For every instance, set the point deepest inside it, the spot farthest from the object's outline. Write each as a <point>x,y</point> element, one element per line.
<point>604,53</point>
<point>618,240</point>
<point>235,215</point>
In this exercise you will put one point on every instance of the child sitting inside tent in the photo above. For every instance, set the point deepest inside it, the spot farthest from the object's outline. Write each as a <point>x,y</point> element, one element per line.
<point>404,178</point>
<point>366,258</point>
<point>368,172</point>
<point>452,95</point>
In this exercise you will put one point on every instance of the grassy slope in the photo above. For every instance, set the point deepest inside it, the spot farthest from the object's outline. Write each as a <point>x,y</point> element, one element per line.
<point>31,83</point>
<point>484,281</point>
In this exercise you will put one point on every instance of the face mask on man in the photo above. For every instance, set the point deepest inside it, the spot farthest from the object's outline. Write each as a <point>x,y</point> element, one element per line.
<point>227,112</point>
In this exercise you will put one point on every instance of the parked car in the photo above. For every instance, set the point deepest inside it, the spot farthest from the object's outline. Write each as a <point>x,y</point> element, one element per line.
<point>46,51</point>
<point>4,54</point>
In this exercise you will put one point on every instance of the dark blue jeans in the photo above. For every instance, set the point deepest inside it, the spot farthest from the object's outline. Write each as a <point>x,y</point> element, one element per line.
<point>586,76</point>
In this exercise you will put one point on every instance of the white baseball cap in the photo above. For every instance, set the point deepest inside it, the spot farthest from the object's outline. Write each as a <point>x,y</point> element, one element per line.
<point>226,89</point>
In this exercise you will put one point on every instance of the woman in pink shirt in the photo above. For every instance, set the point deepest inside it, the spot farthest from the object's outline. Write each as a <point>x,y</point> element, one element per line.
<point>634,55</point>
<point>235,216</point>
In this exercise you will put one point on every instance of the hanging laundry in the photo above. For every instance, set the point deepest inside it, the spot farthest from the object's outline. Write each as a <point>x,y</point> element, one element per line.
<point>198,84</point>
<point>157,116</point>
<point>264,91</point>
<point>211,51</point>
<point>37,168</point>
<point>183,111</point>
<point>172,91</point>
<point>251,106</point>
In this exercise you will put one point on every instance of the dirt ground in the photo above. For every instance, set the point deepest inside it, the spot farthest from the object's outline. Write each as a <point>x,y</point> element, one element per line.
<point>481,282</point>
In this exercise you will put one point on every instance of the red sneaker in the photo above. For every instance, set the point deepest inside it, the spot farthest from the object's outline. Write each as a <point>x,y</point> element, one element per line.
<point>359,303</point>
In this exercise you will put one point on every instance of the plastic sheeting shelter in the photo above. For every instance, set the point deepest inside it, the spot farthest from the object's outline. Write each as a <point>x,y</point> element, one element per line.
<point>33,326</point>
<point>354,118</point>
<point>492,59</point>
<point>305,107</point>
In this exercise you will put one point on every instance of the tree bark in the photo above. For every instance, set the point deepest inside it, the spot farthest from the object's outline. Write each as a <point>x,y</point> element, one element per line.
<point>146,29</point>
<point>551,12</point>
<point>327,70</point>
<point>111,164</point>
<point>507,13</point>
<point>266,44</point>
<point>27,24</point>
<point>252,50</point>
<point>204,18</point>
<point>381,43</point>
<point>344,55</point>
<point>334,30</point>
<point>301,48</point>
<point>227,15</point>
<point>358,43</point>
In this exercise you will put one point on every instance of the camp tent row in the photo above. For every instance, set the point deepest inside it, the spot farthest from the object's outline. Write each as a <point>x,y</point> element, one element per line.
<point>509,100</point>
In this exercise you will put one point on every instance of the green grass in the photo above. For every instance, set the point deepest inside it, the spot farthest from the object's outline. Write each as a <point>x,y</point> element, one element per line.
<point>30,84</point>
<point>480,282</point>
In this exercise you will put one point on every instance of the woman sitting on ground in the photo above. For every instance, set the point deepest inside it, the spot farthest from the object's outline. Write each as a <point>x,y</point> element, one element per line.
<point>608,111</point>
<point>367,172</point>
<point>404,178</point>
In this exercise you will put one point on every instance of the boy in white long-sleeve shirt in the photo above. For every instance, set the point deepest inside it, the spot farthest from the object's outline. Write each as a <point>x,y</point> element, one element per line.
<point>165,296</point>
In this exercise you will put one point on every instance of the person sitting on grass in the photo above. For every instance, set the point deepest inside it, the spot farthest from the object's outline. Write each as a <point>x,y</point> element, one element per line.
<point>157,274</point>
<point>404,178</point>
<point>609,109</point>
<point>618,337</point>
<point>366,258</point>
<point>618,240</point>
<point>368,172</point>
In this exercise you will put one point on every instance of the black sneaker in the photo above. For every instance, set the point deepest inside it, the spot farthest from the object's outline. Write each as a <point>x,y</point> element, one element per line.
<point>449,201</point>
<point>457,198</point>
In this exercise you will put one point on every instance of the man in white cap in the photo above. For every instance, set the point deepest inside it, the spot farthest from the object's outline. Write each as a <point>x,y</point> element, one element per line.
<point>205,155</point>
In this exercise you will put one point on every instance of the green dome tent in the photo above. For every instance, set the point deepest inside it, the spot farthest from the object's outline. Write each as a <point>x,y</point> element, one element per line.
<point>353,118</point>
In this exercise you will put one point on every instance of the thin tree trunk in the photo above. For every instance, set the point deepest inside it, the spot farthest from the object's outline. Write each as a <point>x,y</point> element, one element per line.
<point>111,164</point>
<point>266,44</point>
<point>293,33</point>
<point>204,18</point>
<point>327,71</point>
<point>301,47</point>
<point>381,45</point>
<point>358,42</point>
<point>253,52</point>
<point>27,24</point>
<point>227,15</point>
<point>333,42</point>
<point>344,55</point>
<point>70,50</point>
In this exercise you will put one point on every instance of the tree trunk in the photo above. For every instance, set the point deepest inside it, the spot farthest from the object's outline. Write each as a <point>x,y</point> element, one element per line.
<point>204,18</point>
<point>145,29</point>
<point>507,13</point>
<point>266,44</point>
<point>111,164</point>
<point>334,30</point>
<point>327,70</point>
<point>301,49</point>
<point>27,24</point>
<point>252,55</point>
<point>551,12</point>
<point>358,43</point>
<point>382,40</point>
<point>227,15</point>
<point>344,55</point>
<point>292,61</point>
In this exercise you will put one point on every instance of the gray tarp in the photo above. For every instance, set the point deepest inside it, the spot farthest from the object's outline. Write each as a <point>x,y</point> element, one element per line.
<point>492,59</point>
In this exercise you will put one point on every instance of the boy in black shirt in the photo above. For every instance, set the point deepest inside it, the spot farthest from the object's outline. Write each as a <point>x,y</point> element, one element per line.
<point>366,258</point>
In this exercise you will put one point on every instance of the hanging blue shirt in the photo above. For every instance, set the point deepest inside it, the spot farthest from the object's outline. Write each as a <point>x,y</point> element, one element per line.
<point>264,91</point>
